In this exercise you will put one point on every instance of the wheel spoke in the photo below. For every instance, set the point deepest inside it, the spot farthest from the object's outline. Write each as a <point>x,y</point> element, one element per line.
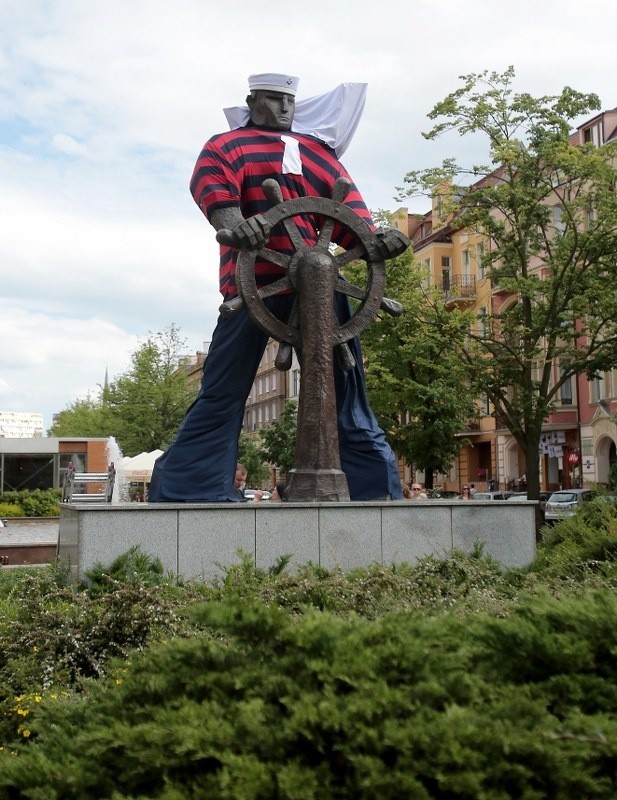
<point>325,235</point>
<point>280,259</point>
<point>350,255</point>
<point>275,288</point>
<point>294,234</point>
<point>350,290</point>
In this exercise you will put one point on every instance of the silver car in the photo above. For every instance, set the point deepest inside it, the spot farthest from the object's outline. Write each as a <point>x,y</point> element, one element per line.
<point>492,495</point>
<point>565,502</point>
<point>249,494</point>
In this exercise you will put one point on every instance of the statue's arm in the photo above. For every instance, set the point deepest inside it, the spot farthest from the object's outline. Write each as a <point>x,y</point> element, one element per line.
<point>235,231</point>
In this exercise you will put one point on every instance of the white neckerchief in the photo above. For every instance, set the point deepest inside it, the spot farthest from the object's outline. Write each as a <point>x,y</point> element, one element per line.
<point>332,117</point>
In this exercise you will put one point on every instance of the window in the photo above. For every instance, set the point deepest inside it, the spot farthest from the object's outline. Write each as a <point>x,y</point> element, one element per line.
<point>558,220</point>
<point>596,388</point>
<point>295,383</point>
<point>593,134</point>
<point>445,273</point>
<point>482,322</point>
<point>479,261</point>
<point>465,262</point>
<point>267,383</point>
<point>427,271</point>
<point>27,471</point>
<point>565,390</point>
<point>591,214</point>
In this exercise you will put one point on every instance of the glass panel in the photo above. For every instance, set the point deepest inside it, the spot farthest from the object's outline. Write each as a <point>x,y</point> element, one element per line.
<point>28,472</point>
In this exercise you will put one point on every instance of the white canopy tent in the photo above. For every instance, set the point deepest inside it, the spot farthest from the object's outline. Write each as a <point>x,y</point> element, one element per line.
<point>139,468</point>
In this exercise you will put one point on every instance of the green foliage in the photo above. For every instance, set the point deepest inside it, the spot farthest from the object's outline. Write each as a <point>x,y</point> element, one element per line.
<point>273,707</point>
<point>582,545</point>
<point>250,454</point>
<point>133,567</point>
<point>279,439</point>
<point>148,402</point>
<point>433,585</point>
<point>143,407</point>
<point>10,510</point>
<point>413,371</point>
<point>540,201</point>
<point>449,678</point>
<point>33,503</point>
<point>612,476</point>
<point>55,637</point>
<point>87,417</point>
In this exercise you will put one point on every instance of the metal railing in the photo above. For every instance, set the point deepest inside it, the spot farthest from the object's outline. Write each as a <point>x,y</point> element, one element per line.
<point>459,286</point>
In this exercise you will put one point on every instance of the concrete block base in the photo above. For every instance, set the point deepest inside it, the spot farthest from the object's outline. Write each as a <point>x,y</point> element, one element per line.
<point>199,540</point>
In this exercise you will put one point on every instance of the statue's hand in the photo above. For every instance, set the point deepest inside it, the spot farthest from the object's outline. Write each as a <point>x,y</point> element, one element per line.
<point>390,242</point>
<point>250,234</point>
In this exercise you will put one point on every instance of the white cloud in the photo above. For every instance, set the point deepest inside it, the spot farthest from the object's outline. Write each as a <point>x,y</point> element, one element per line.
<point>103,110</point>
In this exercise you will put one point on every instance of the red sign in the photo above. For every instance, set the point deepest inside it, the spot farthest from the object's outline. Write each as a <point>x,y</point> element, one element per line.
<point>573,458</point>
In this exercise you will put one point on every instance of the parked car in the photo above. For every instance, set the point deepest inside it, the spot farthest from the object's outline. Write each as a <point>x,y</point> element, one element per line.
<point>521,497</point>
<point>565,502</point>
<point>492,495</point>
<point>249,494</point>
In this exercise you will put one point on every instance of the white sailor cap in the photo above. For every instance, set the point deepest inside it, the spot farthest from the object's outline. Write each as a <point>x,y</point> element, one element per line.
<point>274,82</point>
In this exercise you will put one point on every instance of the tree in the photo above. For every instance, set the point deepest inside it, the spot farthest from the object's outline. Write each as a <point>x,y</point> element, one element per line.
<point>414,375</point>
<point>279,439</point>
<point>82,418</point>
<point>250,454</point>
<point>143,407</point>
<point>547,208</point>
<point>147,403</point>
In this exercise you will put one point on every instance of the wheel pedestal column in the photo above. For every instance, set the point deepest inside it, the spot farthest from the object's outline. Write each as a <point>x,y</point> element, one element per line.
<point>317,473</point>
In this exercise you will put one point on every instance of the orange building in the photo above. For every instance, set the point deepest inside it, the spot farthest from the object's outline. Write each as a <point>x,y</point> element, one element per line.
<point>579,437</point>
<point>41,462</point>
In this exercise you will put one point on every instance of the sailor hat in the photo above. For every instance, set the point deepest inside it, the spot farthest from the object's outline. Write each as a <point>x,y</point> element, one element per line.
<point>274,82</point>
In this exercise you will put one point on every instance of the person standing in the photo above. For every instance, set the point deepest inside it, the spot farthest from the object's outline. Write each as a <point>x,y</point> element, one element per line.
<point>417,492</point>
<point>227,186</point>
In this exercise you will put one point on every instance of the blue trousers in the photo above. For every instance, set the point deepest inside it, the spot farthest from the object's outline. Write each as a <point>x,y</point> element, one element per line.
<point>200,464</point>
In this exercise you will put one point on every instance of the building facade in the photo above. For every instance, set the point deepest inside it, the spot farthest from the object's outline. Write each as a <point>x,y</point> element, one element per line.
<point>579,436</point>
<point>272,389</point>
<point>20,425</point>
<point>41,463</point>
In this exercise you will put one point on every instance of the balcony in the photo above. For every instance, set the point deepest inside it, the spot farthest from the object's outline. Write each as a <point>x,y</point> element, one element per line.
<point>459,290</point>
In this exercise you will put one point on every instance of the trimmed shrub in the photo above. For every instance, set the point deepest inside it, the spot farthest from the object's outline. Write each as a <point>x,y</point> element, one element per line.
<point>319,707</point>
<point>133,567</point>
<point>35,503</point>
<point>10,510</point>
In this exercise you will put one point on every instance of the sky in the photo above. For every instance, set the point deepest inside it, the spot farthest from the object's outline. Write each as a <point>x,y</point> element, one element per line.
<point>104,108</point>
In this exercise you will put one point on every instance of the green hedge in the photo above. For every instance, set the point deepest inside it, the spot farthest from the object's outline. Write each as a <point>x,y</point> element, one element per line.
<point>10,510</point>
<point>406,706</point>
<point>35,503</point>
<point>446,679</point>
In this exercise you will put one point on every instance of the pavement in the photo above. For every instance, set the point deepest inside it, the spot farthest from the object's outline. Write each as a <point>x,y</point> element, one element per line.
<point>20,532</point>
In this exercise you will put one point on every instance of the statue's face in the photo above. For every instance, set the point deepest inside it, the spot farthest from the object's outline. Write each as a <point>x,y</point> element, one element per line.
<point>272,109</point>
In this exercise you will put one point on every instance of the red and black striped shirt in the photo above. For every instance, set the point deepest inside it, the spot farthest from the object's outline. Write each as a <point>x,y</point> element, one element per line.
<point>230,171</point>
